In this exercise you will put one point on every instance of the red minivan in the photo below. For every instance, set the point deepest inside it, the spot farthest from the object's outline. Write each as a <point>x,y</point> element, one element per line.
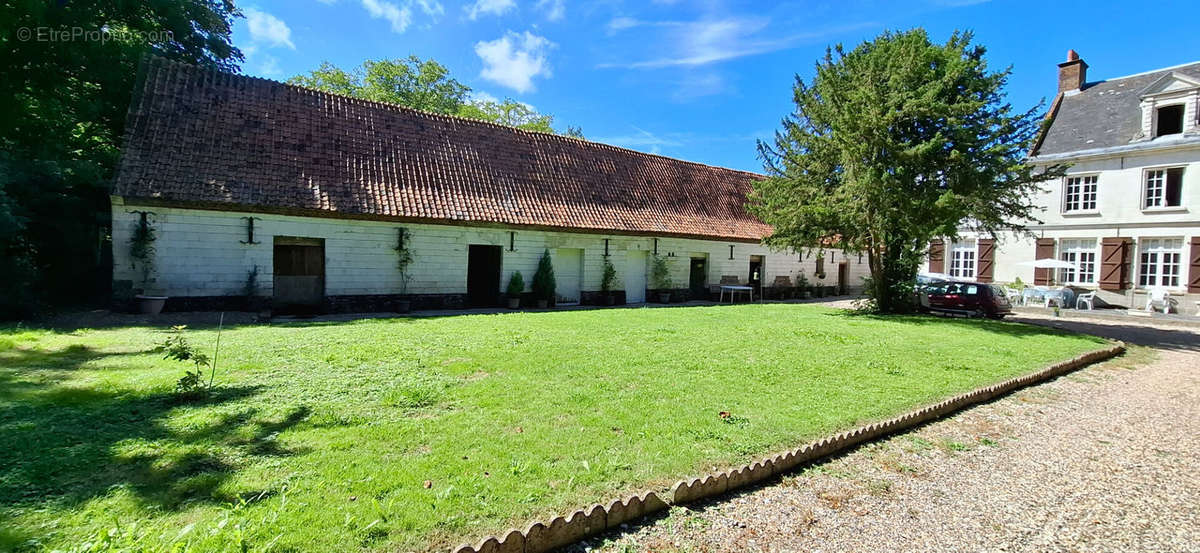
<point>973,299</point>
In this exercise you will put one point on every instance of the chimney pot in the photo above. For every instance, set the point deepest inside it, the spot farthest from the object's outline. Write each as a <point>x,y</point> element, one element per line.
<point>1072,74</point>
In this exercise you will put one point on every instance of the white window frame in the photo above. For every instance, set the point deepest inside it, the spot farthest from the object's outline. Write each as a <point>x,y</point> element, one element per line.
<point>1085,254</point>
<point>1160,263</point>
<point>1161,192</point>
<point>964,259</point>
<point>1089,191</point>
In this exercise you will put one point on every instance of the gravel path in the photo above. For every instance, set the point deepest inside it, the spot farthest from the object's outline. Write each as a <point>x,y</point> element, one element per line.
<point>1104,459</point>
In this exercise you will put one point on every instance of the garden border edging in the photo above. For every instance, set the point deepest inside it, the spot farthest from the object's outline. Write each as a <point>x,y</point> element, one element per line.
<point>540,537</point>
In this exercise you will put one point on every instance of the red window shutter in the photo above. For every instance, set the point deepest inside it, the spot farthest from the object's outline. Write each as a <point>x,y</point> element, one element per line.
<point>987,258</point>
<point>1194,267</point>
<point>1114,263</point>
<point>1045,249</point>
<point>937,256</point>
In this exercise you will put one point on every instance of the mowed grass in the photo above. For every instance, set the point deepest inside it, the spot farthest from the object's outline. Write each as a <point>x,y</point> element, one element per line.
<point>386,435</point>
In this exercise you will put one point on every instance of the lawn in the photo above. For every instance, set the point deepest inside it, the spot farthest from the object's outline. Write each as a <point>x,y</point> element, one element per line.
<point>409,433</point>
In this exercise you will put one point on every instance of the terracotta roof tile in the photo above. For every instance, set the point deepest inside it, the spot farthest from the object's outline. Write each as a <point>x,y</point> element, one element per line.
<point>211,139</point>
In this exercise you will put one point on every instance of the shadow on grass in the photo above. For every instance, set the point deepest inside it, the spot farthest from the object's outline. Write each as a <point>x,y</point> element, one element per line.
<point>67,444</point>
<point>1014,328</point>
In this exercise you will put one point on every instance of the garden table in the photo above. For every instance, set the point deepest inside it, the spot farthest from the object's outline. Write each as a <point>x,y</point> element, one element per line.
<point>734,290</point>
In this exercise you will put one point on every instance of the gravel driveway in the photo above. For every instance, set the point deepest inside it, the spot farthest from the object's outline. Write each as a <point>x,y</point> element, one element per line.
<point>1104,459</point>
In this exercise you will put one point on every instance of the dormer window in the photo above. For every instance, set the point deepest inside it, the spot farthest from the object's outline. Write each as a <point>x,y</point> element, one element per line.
<point>1170,120</point>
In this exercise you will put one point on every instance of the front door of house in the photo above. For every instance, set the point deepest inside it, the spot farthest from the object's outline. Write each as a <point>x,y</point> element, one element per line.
<point>843,278</point>
<point>299,274</point>
<point>483,275</point>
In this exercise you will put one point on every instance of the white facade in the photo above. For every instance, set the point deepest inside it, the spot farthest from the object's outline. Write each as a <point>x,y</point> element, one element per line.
<point>1122,184</point>
<point>201,253</point>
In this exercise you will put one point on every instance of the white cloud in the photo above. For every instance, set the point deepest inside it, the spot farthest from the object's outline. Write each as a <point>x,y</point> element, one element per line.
<point>489,7</point>
<point>513,60</point>
<point>555,10</point>
<point>398,16</point>
<point>431,7</point>
<point>268,29</point>
<point>642,140</point>
<point>695,43</point>
<point>269,66</point>
<point>479,96</point>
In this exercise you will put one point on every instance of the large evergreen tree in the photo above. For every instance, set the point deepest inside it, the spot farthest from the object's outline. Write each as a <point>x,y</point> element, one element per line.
<point>68,72</point>
<point>894,143</point>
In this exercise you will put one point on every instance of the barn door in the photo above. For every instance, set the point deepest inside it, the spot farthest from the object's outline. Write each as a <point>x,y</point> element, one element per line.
<point>1044,250</point>
<point>1114,264</point>
<point>299,273</point>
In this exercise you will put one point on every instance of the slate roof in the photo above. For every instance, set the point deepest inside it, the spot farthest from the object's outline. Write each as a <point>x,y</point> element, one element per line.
<point>199,137</point>
<point>1103,114</point>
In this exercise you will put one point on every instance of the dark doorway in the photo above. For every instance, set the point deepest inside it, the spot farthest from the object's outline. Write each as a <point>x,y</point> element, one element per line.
<point>756,269</point>
<point>698,280</point>
<point>483,275</point>
<point>299,274</point>
<point>843,278</point>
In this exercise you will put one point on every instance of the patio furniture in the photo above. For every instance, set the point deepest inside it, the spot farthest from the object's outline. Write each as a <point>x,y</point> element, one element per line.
<point>1012,294</point>
<point>734,289</point>
<point>781,287</point>
<point>1161,297</point>
<point>1088,299</point>
<point>1046,295</point>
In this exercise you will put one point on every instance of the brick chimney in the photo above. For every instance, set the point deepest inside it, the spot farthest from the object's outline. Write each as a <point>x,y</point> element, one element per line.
<point>1072,74</point>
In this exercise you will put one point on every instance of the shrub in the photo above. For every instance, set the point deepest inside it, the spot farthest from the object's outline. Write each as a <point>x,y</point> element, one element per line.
<point>609,278</point>
<point>178,348</point>
<point>516,285</point>
<point>543,280</point>
<point>660,273</point>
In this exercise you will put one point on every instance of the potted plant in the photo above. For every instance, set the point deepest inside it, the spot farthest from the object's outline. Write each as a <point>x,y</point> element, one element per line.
<point>607,280</point>
<point>801,286</point>
<point>543,281</point>
<point>516,285</point>
<point>141,251</point>
<point>404,259</point>
<point>660,278</point>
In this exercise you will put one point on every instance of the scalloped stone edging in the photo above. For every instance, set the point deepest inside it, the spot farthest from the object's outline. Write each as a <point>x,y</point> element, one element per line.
<point>539,537</point>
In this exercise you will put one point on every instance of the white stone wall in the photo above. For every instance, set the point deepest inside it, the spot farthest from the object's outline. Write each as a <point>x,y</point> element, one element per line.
<point>199,253</point>
<point>1120,192</point>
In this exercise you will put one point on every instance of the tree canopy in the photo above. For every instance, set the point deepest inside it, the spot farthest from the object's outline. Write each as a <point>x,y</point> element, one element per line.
<point>69,72</point>
<point>892,144</point>
<point>425,85</point>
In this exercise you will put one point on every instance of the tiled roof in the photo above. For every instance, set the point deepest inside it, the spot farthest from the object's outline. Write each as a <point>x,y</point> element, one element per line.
<point>211,139</point>
<point>1103,114</point>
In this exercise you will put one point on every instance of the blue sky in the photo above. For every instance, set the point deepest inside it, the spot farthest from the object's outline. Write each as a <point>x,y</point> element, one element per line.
<point>694,80</point>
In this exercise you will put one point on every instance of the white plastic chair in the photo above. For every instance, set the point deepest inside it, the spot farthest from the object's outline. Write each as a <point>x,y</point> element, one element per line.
<point>1161,297</point>
<point>1088,299</point>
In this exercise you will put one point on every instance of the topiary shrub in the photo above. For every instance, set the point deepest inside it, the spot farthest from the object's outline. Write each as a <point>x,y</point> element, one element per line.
<point>516,285</point>
<point>543,280</point>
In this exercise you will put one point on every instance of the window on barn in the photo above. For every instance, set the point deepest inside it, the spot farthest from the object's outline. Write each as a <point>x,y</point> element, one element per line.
<point>1164,188</point>
<point>1170,120</point>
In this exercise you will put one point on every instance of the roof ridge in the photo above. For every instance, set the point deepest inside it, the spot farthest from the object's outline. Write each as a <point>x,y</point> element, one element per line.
<point>1144,73</point>
<point>435,115</point>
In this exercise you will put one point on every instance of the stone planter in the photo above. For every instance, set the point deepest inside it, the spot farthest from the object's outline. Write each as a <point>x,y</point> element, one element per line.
<point>542,304</point>
<point>664,297</point>
<point>609,299</point>
<point>514,303</point>
<point>403,306</point>
<point>150,305</point>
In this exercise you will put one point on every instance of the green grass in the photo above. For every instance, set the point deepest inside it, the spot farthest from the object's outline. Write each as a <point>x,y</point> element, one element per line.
<point>322,436</point>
